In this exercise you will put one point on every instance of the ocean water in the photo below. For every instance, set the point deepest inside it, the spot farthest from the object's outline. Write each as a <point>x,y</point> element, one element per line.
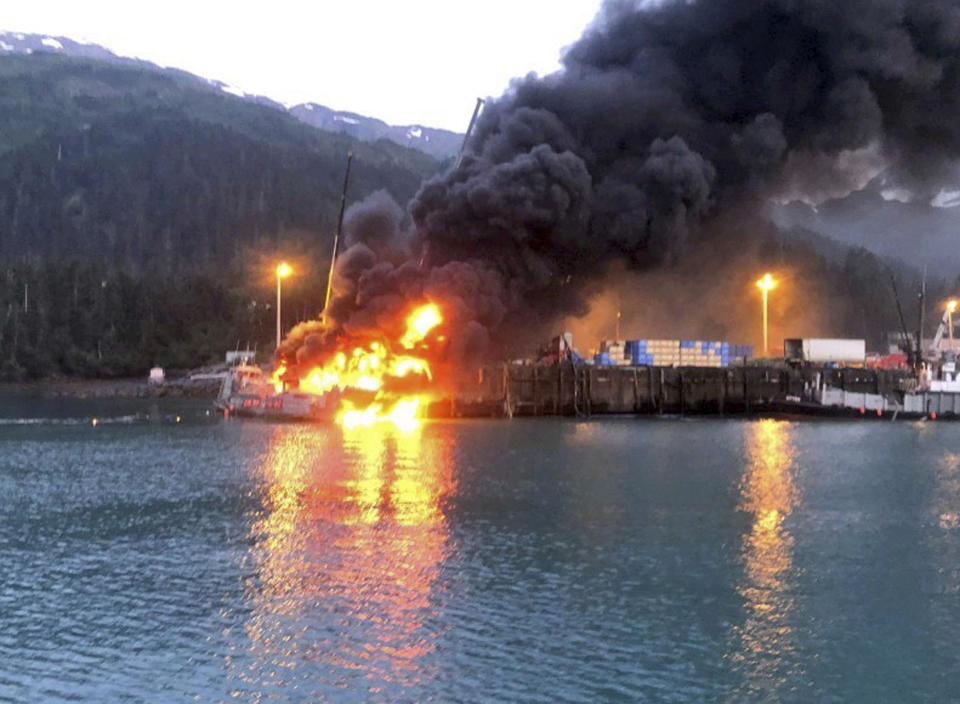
<point>617,560</point>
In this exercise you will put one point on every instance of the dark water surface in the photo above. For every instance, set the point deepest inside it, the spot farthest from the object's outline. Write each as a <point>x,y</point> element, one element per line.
<point>528,561</point>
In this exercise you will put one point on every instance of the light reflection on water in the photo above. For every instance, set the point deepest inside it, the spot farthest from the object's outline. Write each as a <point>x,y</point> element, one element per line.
<point>614,560</point>
<point>944,542</point>
<point>945,498</point>
<point>346,555</point>
<point>769,494</point>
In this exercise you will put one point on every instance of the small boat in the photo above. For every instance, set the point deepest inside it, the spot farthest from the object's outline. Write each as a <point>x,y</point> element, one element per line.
<point>247,392</point>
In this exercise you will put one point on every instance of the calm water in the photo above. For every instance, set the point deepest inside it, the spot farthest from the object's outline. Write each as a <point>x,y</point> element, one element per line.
<point>527,561</point>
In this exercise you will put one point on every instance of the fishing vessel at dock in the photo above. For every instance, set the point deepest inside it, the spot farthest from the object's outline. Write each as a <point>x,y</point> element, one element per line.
<point>248,393</point>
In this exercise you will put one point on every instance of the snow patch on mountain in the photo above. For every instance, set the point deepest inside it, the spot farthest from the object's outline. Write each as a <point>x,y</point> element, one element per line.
<point>438,143</point>
<point>946,199</point>
<point>232,90</point>
<point>899,194</point>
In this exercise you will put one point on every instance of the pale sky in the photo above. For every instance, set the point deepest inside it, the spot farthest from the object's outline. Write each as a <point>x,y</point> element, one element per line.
<point>408,61</point>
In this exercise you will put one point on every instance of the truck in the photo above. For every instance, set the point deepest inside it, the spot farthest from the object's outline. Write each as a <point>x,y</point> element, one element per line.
<point>839,352</point>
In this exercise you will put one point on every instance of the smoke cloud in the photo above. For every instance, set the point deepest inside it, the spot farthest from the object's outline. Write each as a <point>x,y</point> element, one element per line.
<point>666,123</point>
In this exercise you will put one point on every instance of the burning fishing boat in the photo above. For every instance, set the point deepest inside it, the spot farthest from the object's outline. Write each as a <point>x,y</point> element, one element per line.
<point>248,392</point>
<point>362,380</point>
<point>377,378</point>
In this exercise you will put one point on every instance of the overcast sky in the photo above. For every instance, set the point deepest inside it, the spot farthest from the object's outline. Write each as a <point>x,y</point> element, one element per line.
<point>404,61</point>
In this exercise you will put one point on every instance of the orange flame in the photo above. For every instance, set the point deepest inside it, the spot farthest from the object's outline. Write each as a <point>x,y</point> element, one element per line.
<point>420,323</point>
<point>276,379</point>
<point>368,377</point>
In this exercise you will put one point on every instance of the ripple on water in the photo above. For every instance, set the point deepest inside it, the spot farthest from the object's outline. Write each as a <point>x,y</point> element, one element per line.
<point>529,561</point>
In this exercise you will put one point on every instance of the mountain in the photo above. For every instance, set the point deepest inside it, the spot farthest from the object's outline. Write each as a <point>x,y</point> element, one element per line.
<point>438,143</point>
<point>141,165</point>
<point>920,233</point>
<point>20,43</point>
<point>142,211</point>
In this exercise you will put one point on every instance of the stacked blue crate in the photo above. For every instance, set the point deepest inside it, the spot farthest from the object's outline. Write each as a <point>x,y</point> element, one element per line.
<point>637,351</point>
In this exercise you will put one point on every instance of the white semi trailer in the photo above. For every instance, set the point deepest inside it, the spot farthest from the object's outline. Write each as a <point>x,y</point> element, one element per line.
<point>843,352</point>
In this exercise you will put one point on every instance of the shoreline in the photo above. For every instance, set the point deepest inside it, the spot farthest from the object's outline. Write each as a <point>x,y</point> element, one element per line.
<point>109,388</point>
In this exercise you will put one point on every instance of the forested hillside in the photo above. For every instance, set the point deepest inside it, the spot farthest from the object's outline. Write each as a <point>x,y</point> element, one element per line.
<point>140,208</point>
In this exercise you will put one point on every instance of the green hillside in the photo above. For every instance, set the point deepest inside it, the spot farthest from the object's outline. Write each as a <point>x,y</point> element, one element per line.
<point>118,177</point>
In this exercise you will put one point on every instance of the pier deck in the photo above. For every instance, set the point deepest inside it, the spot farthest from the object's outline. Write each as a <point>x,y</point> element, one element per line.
<point>568,390</point>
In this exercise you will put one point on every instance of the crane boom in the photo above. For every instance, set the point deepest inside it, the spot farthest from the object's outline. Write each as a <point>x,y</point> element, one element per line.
<point>941,331</point>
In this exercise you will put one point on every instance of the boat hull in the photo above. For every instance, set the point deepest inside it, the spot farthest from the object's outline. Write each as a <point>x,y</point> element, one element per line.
<point>287,406</point>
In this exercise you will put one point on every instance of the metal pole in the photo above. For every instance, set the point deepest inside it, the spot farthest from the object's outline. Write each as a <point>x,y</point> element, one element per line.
<point>278,310</point>
<point>950,326</point>
<point>923,297</point>
<point>336,236</point>
<point>466,136</point>
<point>766,352</point>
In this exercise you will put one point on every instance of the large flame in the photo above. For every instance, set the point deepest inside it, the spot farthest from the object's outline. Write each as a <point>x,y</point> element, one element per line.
<point>377,384</point>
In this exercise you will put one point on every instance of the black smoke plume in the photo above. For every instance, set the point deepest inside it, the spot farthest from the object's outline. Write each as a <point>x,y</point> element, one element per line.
<point>666,119</point>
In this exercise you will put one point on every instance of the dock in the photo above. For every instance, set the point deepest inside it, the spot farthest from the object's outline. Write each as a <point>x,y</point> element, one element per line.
<point>565,389</point>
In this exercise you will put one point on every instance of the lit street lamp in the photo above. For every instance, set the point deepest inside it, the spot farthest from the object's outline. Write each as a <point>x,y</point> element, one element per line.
<point>765,284</point>
<point>283,271</point>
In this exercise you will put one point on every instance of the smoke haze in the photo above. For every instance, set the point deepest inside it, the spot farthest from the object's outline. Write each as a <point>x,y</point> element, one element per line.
<point>669,127</point>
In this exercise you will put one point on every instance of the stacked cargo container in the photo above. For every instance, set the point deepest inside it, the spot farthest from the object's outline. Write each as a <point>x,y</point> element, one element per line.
<point>658,353</point>
<point>615,352</point>
<point>671,353</point>
<point>704,353</point>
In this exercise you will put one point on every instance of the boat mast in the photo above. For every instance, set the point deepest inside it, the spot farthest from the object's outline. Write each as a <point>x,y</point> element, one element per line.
<point>336,237</point>
<point>466,137</point>
<point>425,251</point>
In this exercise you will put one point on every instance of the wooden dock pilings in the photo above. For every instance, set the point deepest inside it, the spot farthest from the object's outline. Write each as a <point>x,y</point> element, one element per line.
<point>569,390</point>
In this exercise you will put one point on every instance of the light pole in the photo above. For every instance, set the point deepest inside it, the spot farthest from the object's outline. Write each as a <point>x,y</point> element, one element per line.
<point>283,271</point>
<point>765,284</point>
<point>951,306</point>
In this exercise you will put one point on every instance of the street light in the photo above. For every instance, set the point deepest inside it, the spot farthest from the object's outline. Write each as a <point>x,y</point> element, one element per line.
<point>283,271</point>
<point>765,284</point>
<point>951,306</point>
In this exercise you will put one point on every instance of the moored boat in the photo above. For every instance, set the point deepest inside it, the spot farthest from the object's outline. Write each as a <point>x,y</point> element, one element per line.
<point>247,392</point>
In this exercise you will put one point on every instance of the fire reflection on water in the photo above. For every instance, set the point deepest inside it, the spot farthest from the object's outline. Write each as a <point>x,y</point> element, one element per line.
<point>769,494</point>
<point>944,543</point>
<point>346,555</point>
